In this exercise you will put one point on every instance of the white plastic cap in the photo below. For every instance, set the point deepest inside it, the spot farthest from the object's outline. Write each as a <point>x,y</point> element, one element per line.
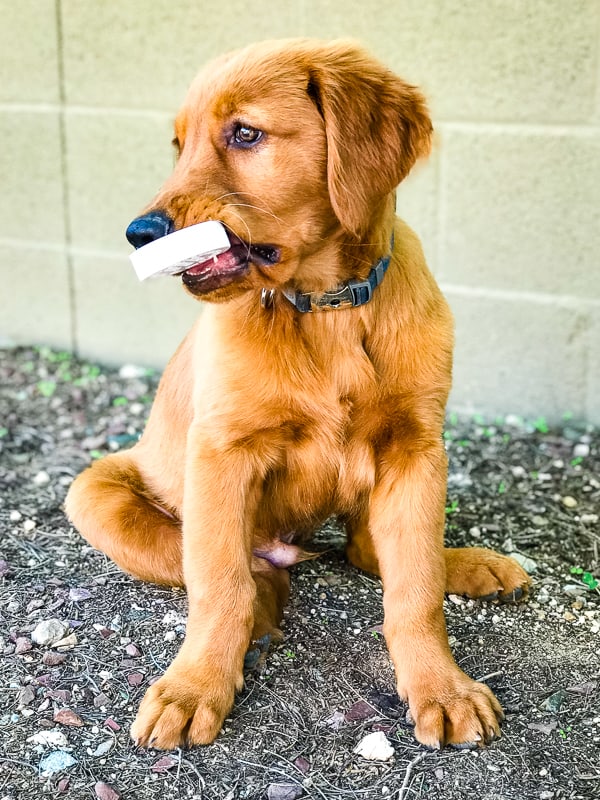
<point>180,250</point>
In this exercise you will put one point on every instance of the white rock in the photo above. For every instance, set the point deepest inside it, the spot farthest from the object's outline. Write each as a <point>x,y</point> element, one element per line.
<point>15,516</point>
<point>50,739</point>
<point>375,747</point>
<point>518,471</point>
<point>513,420</point>
<point>568,501</point>
<point>49,631</point>
<point>42,478</point>
<point>589,519</point>
<point>132,371</point>
<point>29,525</point>
<point>581,450</point>
<point>456,599</point>
<point>173,618</point>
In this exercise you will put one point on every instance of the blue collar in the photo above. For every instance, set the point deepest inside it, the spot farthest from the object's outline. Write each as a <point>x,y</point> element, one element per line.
<point>349,295</point>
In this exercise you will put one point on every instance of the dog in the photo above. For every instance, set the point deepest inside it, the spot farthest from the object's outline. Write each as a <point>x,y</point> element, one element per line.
<point>314,383</point>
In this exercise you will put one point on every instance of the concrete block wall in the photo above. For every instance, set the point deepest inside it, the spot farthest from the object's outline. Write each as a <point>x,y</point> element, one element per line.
<point>508,207</point>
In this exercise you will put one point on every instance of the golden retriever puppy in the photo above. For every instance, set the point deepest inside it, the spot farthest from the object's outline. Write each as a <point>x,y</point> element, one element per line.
<point>314,383</point>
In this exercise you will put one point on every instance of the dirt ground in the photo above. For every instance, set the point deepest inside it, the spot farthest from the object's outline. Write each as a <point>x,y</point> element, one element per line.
<point>65,709</point>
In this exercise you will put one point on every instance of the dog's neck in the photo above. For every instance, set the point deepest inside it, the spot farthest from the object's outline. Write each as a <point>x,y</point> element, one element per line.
<point>350,294</point>
<point>366,271</point>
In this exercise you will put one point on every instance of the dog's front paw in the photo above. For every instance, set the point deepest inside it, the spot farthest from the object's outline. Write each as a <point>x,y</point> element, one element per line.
<point>458,711</point>
<point>186,706</point>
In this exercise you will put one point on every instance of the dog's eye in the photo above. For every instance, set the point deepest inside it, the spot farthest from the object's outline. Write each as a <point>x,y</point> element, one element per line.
<point>246,136</point>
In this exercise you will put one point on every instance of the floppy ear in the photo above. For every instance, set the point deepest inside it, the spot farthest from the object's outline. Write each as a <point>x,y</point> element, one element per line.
<point>376,127</point>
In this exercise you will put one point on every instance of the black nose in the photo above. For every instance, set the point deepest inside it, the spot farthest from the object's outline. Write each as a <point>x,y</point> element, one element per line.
<point>147,228</point>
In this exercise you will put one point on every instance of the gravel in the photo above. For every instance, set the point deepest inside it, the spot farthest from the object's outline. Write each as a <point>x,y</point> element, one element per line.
<point>66,703</point>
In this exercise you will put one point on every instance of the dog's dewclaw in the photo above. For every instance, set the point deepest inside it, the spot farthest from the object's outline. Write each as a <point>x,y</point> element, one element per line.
<point>180,250</point>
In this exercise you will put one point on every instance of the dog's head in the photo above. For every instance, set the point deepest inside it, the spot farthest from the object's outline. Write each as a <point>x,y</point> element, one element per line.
<point>292,145</point>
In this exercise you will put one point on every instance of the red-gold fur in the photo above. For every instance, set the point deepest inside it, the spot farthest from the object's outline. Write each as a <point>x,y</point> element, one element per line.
<point>267,420</point>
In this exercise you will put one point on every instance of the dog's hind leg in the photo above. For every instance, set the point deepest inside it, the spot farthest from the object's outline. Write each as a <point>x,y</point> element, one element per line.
<point>272,592</point>
<point>114,510</point>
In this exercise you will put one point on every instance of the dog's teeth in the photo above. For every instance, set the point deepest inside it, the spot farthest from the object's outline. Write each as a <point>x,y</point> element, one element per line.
<point>214,259</point>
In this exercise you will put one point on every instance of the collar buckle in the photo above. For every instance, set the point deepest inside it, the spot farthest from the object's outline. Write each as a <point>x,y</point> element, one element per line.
<point>349,295</point>
<point>330,301</point>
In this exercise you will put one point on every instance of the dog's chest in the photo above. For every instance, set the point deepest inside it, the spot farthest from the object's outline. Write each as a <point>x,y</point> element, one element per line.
<point>328,463</point>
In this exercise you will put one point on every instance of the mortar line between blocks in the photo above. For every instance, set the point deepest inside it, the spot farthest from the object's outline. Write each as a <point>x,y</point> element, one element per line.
<point>521,296</point>
<point>441,217</point>
<point>65,176</point>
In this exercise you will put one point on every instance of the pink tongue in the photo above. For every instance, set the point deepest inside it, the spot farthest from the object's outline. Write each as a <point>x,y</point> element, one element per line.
<point>222,263</point>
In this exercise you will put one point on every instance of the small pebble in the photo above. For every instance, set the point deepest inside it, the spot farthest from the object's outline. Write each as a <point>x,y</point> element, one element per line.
<point>67,643</point>
<point>29,525</point>
<point>131,371</point>
<point>568,501</point>
<point>15,516</point>
<point>555,701</point>
<point>51,659</point>
<point>42,478</point>
<point>284,791</point>
<point>101,700</point>
<point>528,564</point>
<point>52,738</point>
<point>26,696</point>
<point>22,645</point>
<point>374,747</point>
<point>589,519</point>
<point>105,792</point>
<point>103,748</point>
<point>572,589</point>
<point>57,761</point>
<point>77,594</point>
<point>581,450</point>
<point>65,716</point>
<point>456,599</point>
<point>48,631</point>
<point>543,596</point>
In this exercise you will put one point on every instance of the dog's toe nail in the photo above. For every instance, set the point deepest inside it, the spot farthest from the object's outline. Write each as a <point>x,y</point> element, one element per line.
<point>466,745</point>
<point>512,597</point>
<point>489,597</point>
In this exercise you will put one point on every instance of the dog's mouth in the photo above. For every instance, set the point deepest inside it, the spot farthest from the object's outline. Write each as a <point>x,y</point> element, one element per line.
<point>233,264</point>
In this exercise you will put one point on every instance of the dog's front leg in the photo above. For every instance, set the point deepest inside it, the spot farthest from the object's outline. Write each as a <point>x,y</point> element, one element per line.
<point>189,703</point>
<point>407,525</point>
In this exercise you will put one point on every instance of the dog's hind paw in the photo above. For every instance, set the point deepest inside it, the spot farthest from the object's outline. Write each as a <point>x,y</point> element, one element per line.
<point>257,653</point>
